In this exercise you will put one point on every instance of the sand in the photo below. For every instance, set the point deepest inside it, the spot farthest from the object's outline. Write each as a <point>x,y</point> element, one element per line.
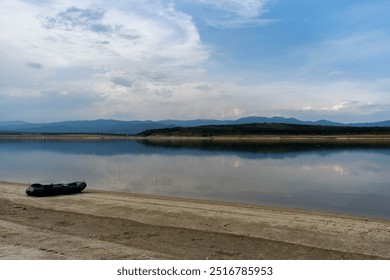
<point>107,225</point>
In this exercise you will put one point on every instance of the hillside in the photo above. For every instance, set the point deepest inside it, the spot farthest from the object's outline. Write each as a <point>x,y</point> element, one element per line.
<point>265,129</point>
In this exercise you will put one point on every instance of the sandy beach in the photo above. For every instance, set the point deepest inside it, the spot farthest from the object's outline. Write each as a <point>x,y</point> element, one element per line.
<point>107,225</point>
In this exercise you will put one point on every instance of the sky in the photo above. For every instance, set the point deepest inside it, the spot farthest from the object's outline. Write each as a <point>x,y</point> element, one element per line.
<point>194,59</point>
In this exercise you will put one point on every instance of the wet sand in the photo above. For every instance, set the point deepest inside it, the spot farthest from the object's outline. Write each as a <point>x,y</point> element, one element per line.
<point>106,225</point>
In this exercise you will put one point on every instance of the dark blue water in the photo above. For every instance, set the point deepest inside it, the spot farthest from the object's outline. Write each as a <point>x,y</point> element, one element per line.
<point>349,179</point>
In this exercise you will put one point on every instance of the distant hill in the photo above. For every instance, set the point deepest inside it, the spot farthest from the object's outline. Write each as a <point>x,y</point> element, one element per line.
<point>11,123</point>
<point>94,126</point>
<point>375,124</point>
<point>106,126</point>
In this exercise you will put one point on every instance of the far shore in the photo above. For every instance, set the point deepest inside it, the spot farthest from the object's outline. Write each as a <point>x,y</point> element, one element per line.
<point>108,225</point>
<point>342,138</point>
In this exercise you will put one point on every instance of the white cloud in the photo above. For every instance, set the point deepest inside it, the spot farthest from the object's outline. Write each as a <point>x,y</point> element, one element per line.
<point>342,105</point>
<point>339,101</point>
<point>242,8</point>
<point>121,48</point>
<point>237,13</point>
<point>138,59</point>
<point>95,35</point>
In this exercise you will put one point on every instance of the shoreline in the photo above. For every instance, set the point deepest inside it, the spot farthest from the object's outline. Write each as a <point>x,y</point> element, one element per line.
<point>112,225</point>
<point>341,138</point>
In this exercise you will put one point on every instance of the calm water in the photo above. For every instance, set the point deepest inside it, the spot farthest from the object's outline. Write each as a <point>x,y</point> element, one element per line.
<point>347,179</point>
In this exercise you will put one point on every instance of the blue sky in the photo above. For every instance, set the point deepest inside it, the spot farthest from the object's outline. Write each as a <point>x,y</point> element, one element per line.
<point>223,59</point>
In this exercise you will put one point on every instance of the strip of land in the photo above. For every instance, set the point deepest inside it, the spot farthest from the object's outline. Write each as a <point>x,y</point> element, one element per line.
<point>363,139</point>
<point>107,225</point>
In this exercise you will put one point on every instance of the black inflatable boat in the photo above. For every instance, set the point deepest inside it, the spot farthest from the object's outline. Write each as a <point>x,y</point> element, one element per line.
<point>55,189</point>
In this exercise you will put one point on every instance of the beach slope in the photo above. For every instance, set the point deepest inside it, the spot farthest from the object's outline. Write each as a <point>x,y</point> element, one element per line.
<point>107,225</point>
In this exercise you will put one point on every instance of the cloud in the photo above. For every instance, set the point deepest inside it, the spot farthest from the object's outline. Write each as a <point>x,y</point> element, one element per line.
<point>236,13</point>
<point>74,17</point>
<point>347,110</point>
<point>240,22</point>
<point>99,33</point>
<point>34,65</point>
<point>342,105</point>
<point>141,59</point>
<point>347,101</point>
<point>116,49</point>
<point>89,19</point>
<point>122,81</point>
<point>242,8</point>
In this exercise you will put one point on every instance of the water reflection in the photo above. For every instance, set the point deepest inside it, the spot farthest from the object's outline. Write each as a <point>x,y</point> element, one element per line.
<point>198,148</point>
<point>351,179</point>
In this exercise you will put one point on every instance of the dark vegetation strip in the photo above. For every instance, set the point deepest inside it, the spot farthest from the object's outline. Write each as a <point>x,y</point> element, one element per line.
<point>253,129</point>
<point>265,129</point>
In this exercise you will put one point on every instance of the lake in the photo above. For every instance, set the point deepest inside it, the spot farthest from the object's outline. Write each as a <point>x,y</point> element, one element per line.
<point>350,179</point>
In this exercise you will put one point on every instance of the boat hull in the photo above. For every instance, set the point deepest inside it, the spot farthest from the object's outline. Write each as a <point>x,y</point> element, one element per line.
<point>55,189</point>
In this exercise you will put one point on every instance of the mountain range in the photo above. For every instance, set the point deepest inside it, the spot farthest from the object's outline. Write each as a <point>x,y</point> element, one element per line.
<point>107,126</point>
